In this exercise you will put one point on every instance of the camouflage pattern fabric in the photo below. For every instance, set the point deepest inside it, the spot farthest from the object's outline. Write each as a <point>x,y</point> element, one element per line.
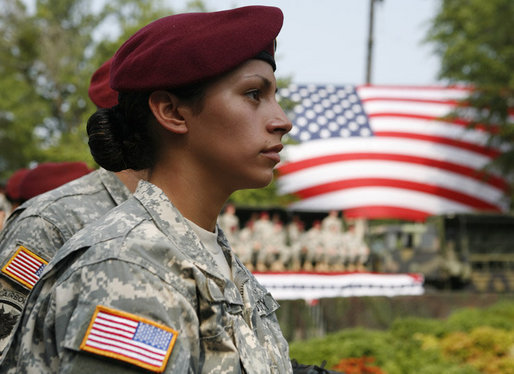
<point>43,224</point>
<point>143,258</point>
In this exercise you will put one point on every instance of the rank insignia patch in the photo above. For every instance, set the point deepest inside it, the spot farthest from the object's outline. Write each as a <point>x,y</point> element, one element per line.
<point>25,267</point>
<point>130,338</point>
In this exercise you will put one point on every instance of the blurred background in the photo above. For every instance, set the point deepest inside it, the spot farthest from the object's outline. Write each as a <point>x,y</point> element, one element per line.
<point>392,206</point>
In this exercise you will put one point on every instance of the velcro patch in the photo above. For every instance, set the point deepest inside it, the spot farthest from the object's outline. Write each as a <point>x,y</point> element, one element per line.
<point>25,267</point>
<point>130,338</point>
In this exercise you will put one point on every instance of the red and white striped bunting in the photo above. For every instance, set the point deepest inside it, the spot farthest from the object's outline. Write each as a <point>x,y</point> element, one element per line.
<point>310,286</point>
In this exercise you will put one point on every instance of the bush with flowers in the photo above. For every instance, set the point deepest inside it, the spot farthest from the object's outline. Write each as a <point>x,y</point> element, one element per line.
<point>470,341</point>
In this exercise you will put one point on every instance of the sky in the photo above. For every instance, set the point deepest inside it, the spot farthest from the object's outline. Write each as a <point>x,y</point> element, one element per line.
<point>325,41</point>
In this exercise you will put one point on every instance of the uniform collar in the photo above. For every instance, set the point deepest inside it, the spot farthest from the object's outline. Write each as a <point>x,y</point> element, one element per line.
<point>118,191</point>
<point>173,224</point>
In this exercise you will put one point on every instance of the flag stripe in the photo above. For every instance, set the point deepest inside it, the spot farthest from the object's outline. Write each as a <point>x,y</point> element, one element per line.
<point>430,126</point>
<point>124,352</point>
<point>108,320</point>
<point>98,326</point>
<point>440,140</point>
<point>466,123</point>
<point>28,260</point>
<point>415,108</point>
<point>23,274</point>
<point>126,343</point>
<point>378,145</point>
<point>21,264</point>
<point>364,196</point>
<point>430,94</point>
<point>326,173</point>
<point>131,324</point>
<point>458,170</point>
<point>471,201</point>
<point>408,100</point>
<point>415,92</point>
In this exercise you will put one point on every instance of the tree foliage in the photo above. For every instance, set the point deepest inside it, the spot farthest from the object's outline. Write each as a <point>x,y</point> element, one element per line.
<point>47,57</point>
<point>475,41</point>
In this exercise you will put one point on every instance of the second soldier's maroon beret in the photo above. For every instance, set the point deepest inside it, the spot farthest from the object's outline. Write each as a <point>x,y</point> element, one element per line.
<point>12,188</point>
<point>187,48</point>
<point>100,92</point>
<point>49,175</point>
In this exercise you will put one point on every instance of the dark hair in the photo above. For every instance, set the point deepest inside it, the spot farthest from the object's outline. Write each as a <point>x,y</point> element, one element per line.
<point>120,137</point>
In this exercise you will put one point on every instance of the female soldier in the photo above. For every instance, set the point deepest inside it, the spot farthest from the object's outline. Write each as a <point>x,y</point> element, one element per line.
<point>154,284</point>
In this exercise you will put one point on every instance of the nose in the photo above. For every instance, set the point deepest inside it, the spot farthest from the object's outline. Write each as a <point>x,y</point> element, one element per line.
<point>280,122</point>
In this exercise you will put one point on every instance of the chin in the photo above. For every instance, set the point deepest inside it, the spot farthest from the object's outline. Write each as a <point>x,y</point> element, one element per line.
<point>261,182</point>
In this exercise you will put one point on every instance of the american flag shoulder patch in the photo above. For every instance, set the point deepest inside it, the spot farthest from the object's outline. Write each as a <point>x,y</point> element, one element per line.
<point>25,267</point>
<point>130,338</point>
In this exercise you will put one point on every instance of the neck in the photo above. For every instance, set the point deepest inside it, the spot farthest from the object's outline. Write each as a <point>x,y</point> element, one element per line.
<point>130,178</point>
<point>196,201</point>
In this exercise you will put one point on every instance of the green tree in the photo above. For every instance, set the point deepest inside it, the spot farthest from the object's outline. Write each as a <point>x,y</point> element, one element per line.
<point>17,138</point>
<point>475,41</point>
<point>47,57</point>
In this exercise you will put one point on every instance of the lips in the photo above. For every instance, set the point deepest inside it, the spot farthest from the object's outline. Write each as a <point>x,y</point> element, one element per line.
<point>273,152</point>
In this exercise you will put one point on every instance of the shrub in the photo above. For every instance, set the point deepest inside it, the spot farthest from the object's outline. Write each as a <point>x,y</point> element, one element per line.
<point>470,341</point>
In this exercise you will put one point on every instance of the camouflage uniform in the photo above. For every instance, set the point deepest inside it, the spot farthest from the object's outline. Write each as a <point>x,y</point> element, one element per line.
<point>245,245</point>
<point>5,207</point>
<point>143,258</point>
<point>44,223</point>
<point>332,222</point>
<point>229,223</point>
<point>262,235</point>
<point>314,244</point>
<point>332,240</point>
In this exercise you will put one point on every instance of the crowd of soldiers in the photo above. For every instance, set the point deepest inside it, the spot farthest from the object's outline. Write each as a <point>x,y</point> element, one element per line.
<point>266,243</point>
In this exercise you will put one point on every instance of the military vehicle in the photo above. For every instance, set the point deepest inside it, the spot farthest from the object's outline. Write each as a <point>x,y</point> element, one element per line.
<point>474,251</point>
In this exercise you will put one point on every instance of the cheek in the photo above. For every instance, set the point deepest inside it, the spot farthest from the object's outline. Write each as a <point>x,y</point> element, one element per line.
<point>237,131</point>
<point>233,126</point>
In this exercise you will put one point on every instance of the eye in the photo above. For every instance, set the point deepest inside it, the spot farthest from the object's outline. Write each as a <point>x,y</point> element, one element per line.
<point>254,94</point>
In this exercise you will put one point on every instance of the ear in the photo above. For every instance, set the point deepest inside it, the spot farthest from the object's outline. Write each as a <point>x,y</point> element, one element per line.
<point>165,108</point>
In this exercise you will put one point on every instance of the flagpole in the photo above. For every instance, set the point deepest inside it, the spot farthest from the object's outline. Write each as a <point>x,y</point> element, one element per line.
<point>370,40</point>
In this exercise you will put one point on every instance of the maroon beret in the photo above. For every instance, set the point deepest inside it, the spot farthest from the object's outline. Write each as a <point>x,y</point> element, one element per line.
<point>50,175</point>
<point>12,188</point>
<point>187,48</point>
<point>100,92</point>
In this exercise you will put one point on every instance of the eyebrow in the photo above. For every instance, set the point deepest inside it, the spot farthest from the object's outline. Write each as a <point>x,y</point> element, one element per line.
<point>266,81</point>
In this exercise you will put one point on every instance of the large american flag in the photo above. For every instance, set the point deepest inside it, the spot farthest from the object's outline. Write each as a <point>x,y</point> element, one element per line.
<point>387,152</point>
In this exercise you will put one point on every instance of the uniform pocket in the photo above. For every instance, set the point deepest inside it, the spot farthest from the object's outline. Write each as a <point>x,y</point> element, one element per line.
<point>266,305</point>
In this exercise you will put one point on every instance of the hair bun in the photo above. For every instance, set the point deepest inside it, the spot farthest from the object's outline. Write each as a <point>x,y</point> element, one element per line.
<point>104,142</point>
